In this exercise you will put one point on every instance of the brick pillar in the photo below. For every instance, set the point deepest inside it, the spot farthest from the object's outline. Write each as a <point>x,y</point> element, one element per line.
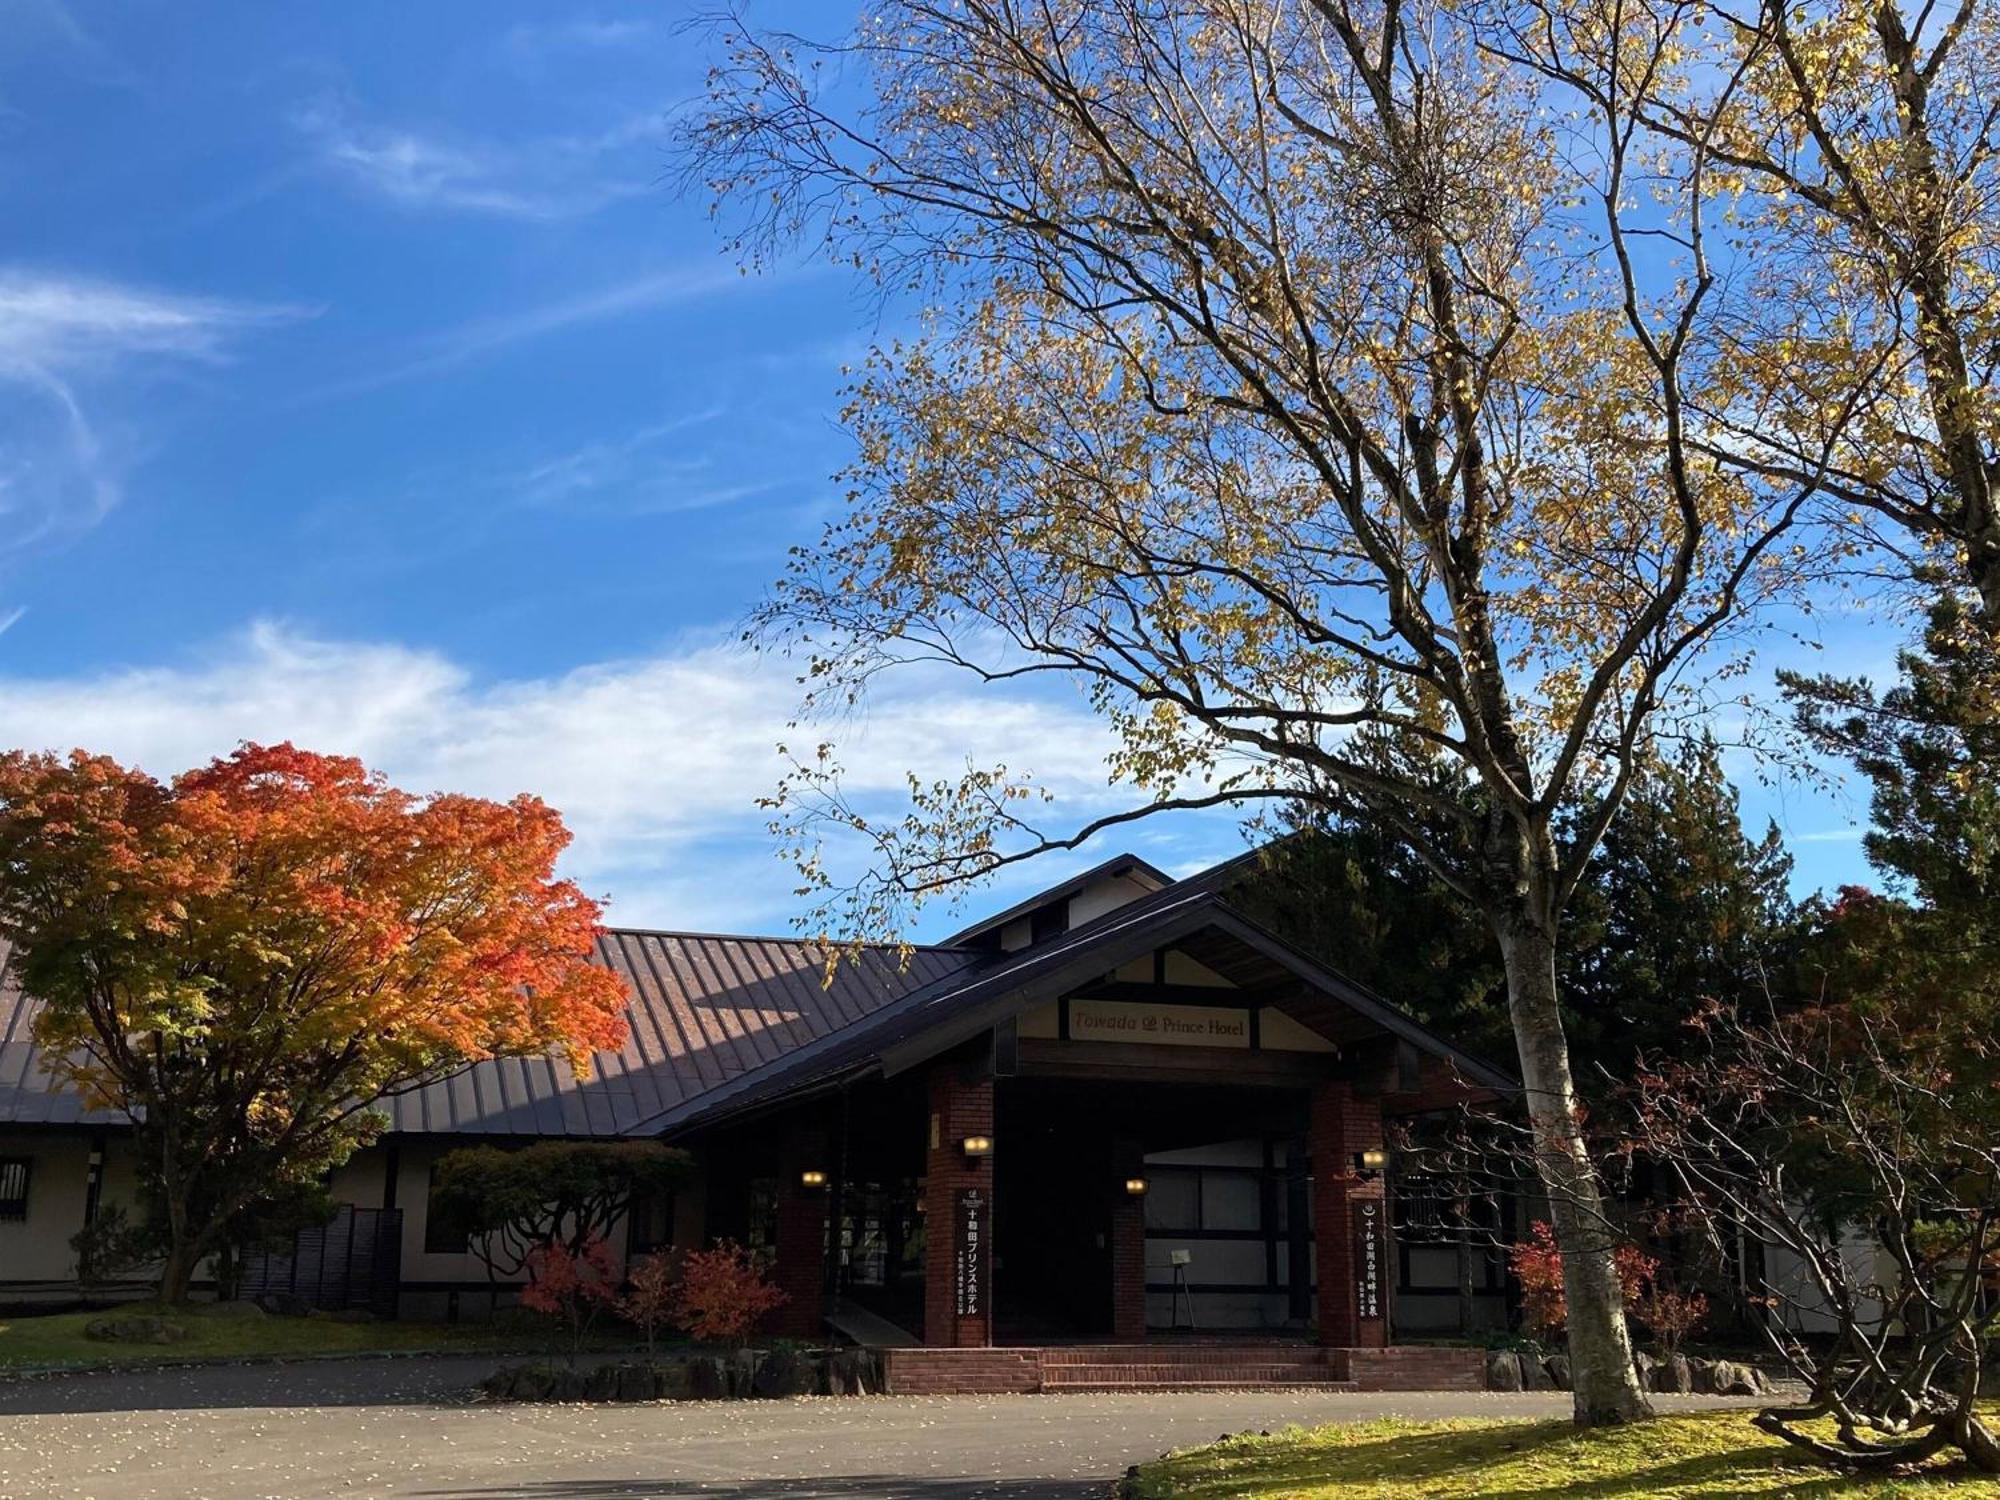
<point>1128,1265</point>
<point>800,1269</point>
<point>1342,1125</point>
<point>960,1105</point>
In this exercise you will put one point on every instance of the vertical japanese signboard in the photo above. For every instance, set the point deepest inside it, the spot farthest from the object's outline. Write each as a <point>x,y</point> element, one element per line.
<point>969,1272</point>
<point>1370,1250</point>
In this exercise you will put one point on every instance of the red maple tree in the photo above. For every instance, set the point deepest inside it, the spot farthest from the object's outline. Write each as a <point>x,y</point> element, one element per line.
<point>244,960</point>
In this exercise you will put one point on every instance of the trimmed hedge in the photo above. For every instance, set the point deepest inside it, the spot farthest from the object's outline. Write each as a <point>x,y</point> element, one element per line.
<point>770,1374</point>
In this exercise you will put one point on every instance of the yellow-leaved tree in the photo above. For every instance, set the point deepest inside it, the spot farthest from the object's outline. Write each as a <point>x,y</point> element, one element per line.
<point>1856,144</point>
<point>1309,381</point>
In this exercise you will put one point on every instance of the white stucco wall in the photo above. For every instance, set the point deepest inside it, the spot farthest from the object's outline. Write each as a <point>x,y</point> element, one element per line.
<point>1101,896</point>
<point>36,1249</point>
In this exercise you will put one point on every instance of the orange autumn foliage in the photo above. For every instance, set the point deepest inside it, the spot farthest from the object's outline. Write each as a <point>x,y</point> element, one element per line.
<point>430,931</point>
<point>246,958</point>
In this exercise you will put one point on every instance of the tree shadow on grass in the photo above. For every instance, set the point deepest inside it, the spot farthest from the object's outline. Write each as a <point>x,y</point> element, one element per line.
<point>1542,1461</point>
<point>828,1487</point>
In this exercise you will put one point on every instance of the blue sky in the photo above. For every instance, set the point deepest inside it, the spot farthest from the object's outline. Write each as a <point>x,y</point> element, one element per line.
<point>364,381</point>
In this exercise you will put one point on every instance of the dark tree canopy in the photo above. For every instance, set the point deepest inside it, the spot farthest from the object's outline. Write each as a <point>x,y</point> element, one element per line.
<point>1929,749</point>
<point>1355,897</point>
<point>1681,908</point>
<point>566,1193</point>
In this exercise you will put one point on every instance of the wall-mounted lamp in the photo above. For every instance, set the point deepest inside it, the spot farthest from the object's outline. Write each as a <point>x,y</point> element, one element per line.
<point>812,1179</point>
<point>976,1146</point>
<point>1136,1186</point>
<point>1372,1162</point>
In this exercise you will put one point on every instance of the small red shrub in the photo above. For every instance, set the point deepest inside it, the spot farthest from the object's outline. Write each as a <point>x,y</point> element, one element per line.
<point>650,1295</point>
<point>571,1286</point>
<point>1537,1265</point>
<point>722,1292</point>
<point>1671,1314</point>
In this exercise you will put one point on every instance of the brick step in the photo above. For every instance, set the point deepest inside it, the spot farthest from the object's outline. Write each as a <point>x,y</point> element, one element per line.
<point>1304,1355</point>
<point>1168,1374</point>
<point>1194,1380</point>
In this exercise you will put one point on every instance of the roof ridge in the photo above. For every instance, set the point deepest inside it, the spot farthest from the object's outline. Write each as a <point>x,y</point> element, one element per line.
<point>619,928</point>
<point>1062,890</point>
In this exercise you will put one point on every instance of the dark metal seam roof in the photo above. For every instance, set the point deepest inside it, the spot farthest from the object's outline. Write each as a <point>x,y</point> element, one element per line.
<point>937,1008</point>
<point>718,1023</point>
<point>703,1011</point>
<point>28,1095</point>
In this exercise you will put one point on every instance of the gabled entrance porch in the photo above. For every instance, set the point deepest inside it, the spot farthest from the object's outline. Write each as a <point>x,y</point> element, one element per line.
<point>1162,1119</point>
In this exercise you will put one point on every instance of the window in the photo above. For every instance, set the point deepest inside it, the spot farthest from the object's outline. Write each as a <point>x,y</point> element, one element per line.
<point>652,1222</point>
<point>445,1232</point>
<point>1431,1211</point>
<point>13,1188</point>
<point>1050,921</point>
<point>762,1233</point>
<point>1446,1232</point>
<point>1173,1200</point>
<point>1210,1200</point>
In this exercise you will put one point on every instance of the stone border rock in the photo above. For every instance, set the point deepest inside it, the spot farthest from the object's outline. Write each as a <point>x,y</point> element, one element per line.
<point>770,1374</point>
<point>1515,1370</point>
<point>135,1330</point>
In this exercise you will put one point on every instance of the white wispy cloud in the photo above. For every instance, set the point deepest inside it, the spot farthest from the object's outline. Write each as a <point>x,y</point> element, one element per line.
<point>590,33</point>
<point>544,177</point>
<point>656,762</point>
<point>49,28</point>
<point>479,337</point>
<point>644,473</point>
<point>64,339</point>
<point>56,324</point>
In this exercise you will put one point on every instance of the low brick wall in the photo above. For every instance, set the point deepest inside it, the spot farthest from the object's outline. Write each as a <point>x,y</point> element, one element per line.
<point>961,1372</point>
<point>1410,1368</point>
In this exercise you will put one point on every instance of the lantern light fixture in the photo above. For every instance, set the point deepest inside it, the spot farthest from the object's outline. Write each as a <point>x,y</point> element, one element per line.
<point>1372,1161</point>
<point>812,1178</point>
<point>1136,1186</point>
<point>976,1146</point>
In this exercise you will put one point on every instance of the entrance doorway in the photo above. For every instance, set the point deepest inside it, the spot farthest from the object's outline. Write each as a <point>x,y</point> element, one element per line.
<point>1052,1220</point>
<point>879,1265</point>
<point>1226,1178</point>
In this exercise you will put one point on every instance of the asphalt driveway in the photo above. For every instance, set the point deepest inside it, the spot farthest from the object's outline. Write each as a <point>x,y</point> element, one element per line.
<point>402,1428</point>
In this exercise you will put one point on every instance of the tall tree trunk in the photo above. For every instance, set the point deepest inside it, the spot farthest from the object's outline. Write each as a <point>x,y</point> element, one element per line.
<point>1926,263</point>
<point>177,1272</point>
<point>186,1242</point>
<point>1600,1349</point>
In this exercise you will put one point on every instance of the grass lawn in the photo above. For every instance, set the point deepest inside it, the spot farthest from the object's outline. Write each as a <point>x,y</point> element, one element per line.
<point>57,1338</point>
<point>1710,1455</point>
